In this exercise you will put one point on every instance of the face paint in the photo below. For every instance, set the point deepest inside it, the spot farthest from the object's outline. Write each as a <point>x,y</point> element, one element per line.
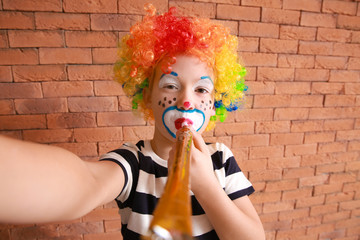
<point>174,118</point>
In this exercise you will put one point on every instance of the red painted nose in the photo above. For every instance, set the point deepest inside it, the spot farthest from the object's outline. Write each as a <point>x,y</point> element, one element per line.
<point>187,104</point>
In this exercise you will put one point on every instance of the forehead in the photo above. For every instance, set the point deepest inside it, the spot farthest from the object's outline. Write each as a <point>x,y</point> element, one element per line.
<point>187,67</point>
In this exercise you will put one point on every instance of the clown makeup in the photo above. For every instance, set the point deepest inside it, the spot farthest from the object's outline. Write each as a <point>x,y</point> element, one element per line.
<point>192,114</point>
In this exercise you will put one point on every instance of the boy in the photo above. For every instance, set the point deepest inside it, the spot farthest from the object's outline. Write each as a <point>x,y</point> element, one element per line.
<point>176,70</point>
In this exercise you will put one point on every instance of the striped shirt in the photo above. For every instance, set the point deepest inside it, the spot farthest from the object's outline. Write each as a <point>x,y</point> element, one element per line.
<point>145,179</point>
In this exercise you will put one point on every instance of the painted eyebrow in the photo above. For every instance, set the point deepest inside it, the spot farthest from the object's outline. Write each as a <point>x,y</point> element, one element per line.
<point>172,73</point>
<point>207,77</point>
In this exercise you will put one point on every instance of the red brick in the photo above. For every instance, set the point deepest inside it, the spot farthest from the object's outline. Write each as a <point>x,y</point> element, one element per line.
<point>327,88</point>
<point>18,56</point>
<point>288,162</point>
<point>278,46</point>
<point>297,33</point>
<point>315,48</point>
<point>333,35</point>
<point>250,140</point>
<point>36,5</point>
<point>262,3</point>
<point>347,49</point>
<point>306,101</point>
<point>30,38</point>
<point>280,16</point>
<point>344,76</point>
<point>65,55</point>
<point>105,147</point>
<point>108,119</point>
<point>47,231</point>
<point>298,172</point>
<point>103,236</point>
<point>40,105</point>
<point>348,135</point>
<point>138,132</point>
<point>68,89</point>
<point>71,120</point>
<point>352,88</point>
<point>293,88</point>
<point>99,134</point>
<point>5,74</point>
<point>90,72</point>
<point>323,228</point>
<point>48,136</point>
<point>265,197</point>
<point>318,20</point>
<point>256,29</point>
<point>266,101</point>
<point>104,55</point>
<point>329,62</point>
<point>4,42</point>
<point>232,25</point>
<point>92,104</point>
<point>206,10</point>
<point>259,59</point>
<point>38,73</point>
<point>108,6</point>
<point>312,75</point>
<point>238,12</point>
<point>253,164</point>
<point>296,150</point>
<point>319,137</point>
<point>339,197</point>
<point>275,74</point>
<point>286,138</point>
<point>349,22</point>
<point>254,115</point>
<point>333,217</point>
<point>125,103</point>
<point>283,185</point>
<point>291,114</point>
<point>137,6</point>
<point>354,63</point>
<point>80,228</point>
<point>248,44</point>
<point>306,5</point>
<point>354,146</point>
<point>20,90</point>
<point>334,113</point>
<point>59,21</point>
<point>341,7</point>
<point>288,234</point>
<point>295,61</point>
<point>339,100</point>
<point>306,126</point>
<point>327,188</point>
<point>340,124</point>
<point>266,152</point>
<point>313,181</point>
<point>107,88</point>
<point>113,225</point>
<point>297,193</point>
<point>16,20</point>
<point>310,201</point>
<point>278,206</point>
<point>90,39</point>
<point>22,122</point>
<point>272,127</point>
<point>6,107</point>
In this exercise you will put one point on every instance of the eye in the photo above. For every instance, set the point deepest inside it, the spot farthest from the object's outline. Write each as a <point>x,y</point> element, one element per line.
<point>171,87</point>
<point>202,90</point>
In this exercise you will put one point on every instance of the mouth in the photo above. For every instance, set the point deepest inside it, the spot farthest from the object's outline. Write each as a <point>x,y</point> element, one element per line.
<point>180,122</point>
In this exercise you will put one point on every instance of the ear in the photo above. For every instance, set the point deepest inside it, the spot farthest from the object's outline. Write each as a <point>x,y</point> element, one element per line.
<point>147,97</point>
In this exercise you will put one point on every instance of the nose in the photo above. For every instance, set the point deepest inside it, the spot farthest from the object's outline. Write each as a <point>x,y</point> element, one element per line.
<point>185,101</point>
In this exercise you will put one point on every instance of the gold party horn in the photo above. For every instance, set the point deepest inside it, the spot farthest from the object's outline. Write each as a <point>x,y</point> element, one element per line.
<point>172,216</point>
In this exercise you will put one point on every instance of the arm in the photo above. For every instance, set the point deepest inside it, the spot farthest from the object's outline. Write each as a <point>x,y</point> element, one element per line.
<point>234,218</point>
<point>41,183</point>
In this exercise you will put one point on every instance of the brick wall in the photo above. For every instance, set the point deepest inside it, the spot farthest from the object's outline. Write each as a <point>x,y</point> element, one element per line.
<point>298,140</point>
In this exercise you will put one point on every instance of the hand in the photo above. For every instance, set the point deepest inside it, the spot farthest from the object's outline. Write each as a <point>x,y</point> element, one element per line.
<point>201,168</point>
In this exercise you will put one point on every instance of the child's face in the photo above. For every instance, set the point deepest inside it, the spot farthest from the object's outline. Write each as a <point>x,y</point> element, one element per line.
<point>184,96</point>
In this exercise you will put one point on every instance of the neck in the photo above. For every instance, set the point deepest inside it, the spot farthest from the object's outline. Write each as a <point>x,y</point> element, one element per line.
<point>161,145</point>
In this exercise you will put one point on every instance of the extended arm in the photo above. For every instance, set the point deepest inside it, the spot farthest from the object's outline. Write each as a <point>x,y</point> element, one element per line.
<point>231,219</point>
<point>41,183</point>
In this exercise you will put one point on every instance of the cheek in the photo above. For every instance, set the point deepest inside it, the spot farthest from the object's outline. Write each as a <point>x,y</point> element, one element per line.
<point>166,102</point>
<point>207,105</point>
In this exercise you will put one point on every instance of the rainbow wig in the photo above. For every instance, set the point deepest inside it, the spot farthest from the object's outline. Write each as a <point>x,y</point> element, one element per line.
<point>162,37</point>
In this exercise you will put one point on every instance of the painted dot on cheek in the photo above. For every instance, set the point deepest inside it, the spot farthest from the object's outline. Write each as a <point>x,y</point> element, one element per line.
<point>159,103</point>
<point>163,105</point>
<point>170,102</point>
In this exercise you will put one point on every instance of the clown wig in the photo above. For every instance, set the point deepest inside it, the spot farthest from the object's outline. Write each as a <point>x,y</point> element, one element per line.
<point>160,38</point>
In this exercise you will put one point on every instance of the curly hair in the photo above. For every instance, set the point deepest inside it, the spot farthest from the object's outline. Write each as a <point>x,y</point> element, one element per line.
<point>160,38</point>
